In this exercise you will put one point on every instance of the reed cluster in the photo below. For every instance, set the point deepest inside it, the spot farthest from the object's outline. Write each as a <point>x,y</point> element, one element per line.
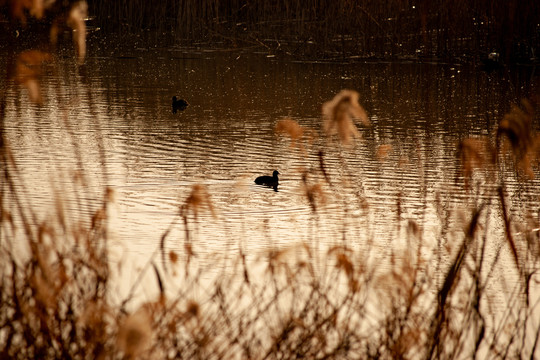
<point>344,29</point>
<point>341,28</point>
<point>469,292</point>
<point>434,298</point>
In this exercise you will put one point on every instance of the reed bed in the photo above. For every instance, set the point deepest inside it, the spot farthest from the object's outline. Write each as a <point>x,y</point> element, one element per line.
<point>444,301</point>
<point>344,28</point>
<point>470,292</point>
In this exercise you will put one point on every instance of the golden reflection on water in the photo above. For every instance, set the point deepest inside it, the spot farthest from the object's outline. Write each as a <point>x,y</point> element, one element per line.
<point>113,126</point>
<point>382,215</point>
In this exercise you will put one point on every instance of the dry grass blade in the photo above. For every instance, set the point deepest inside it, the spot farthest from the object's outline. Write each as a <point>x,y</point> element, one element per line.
<point>322,167</point>
<point>345,263</point>
<point>160,282</point>
<point>452,276</point>
<point>507,227</point>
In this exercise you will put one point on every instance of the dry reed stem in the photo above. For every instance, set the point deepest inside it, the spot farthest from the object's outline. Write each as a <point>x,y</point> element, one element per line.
<point>440,319</point>
<point>76,21</point>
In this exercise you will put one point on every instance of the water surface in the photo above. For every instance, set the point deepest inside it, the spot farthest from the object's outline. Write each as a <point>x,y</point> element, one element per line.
<point>111,124</point>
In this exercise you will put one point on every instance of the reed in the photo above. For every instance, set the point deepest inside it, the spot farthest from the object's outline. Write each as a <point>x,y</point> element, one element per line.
<point>344,28</point>
<point>301,301</point>
<point>297,301</point>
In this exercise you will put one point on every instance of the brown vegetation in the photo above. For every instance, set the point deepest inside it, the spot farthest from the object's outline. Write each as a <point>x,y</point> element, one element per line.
<point>292,302</point>
<point>297,302</point>
<point>344,28</point>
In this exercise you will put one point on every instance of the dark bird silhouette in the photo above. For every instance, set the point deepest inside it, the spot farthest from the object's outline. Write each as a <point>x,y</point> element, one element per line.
<point>270,181</point>
<point>180,104</point>
<point>491,62</point>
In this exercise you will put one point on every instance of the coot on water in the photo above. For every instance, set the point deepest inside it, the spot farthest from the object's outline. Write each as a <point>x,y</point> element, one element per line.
<point>180,104</point>
<point>271,181</point>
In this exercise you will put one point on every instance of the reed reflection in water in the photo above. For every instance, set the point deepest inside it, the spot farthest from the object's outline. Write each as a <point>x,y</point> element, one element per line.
<point>226,137</point>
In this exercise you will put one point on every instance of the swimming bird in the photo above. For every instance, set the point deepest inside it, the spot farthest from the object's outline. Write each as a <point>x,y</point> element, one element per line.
<point>492,62</point>
<point>178,104</point>
<point>271,181</point>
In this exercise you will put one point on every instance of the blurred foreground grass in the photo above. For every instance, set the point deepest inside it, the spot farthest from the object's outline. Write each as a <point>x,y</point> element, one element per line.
<point>439,298</point>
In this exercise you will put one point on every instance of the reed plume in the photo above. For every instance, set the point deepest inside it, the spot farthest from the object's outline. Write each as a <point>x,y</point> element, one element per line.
<point>475,154</point>
<point>296,133</point>
<point>339,115</point>
<point>135,334</point>
<point>19,9</point>
<point>293,130</point>
<point>28,71</point>
<point>313,192</point>
<point>383,151</point>
<point>76,21</point>
<point>199,199</point>
<point>28,68</point>
<point>521,141</point>
<point>290,128</point>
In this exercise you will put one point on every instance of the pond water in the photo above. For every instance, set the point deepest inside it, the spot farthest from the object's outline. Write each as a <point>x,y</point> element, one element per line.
<point>111,124</point>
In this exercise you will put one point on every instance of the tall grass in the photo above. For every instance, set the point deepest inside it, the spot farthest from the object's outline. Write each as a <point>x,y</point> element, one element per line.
<point>296,301</point>
<point>440,29</point>
<point>429,298</point>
